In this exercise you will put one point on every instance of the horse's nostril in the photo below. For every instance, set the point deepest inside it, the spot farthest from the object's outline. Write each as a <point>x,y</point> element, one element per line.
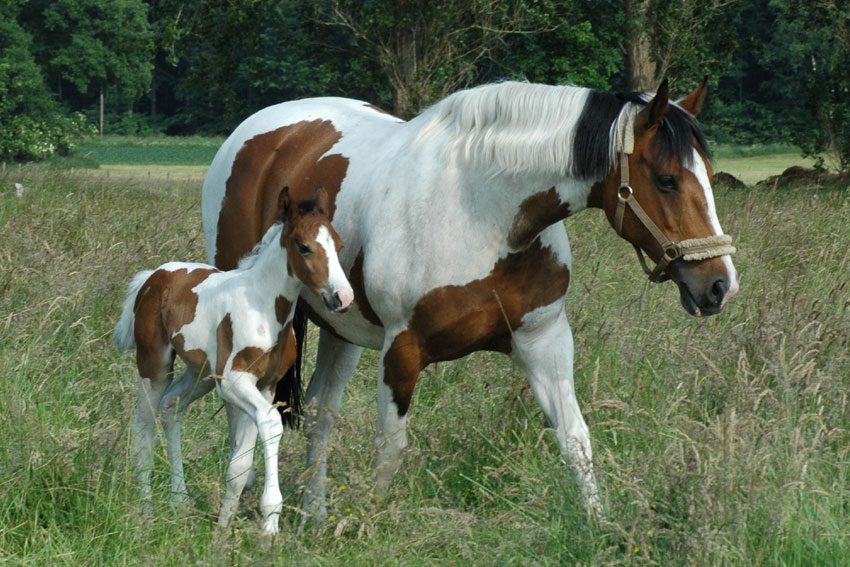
<point>718,290</point>
<point>337,300</point>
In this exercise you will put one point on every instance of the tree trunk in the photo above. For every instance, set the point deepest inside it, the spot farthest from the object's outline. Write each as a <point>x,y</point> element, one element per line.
<point>101,111</point>
<point>640,66</point>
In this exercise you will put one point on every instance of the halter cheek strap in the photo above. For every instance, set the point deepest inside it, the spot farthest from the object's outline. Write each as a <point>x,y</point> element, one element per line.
<point>693,249</point>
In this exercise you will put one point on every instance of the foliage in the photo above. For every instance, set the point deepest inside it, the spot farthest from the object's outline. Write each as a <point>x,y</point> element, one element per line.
<point>94,43</point>
<point>825,74</point>
<point>31,124</point>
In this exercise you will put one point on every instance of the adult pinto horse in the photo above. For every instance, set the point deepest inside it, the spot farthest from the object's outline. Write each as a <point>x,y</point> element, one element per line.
<point>453,234</point>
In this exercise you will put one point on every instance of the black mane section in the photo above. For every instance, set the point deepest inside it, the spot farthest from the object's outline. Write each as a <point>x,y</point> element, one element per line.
<point>592,143</point>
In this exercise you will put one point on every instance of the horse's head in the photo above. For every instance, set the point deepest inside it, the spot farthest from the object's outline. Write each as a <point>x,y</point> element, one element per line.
<point>312,248</point>
<point>659,198</point>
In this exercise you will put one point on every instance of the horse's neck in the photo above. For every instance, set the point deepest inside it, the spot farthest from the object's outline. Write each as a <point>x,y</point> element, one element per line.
<point>517,210</point>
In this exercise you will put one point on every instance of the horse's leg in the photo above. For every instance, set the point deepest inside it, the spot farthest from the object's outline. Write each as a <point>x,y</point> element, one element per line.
<point>398,370</point>
<point>184,390</point>
<point>545,351</point>
<point>155,367</point>
<point>336,361</point>
<point>239,389</point>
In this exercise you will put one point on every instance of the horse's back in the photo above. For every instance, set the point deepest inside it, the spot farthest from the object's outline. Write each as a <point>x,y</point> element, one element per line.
<point>289,144</point>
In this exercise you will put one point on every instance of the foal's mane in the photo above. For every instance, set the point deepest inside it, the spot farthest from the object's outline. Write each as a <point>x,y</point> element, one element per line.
<point>250,259</point>
<point>524,128</point>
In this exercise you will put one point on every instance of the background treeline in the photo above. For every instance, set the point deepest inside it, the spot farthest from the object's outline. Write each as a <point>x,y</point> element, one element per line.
<point>779,69</point>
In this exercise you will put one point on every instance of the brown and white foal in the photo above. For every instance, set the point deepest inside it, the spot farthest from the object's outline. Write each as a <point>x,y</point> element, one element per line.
<point>235,326</point>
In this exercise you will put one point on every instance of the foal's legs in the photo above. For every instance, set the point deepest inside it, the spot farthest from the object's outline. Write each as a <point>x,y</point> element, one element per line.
<point>335,363</point>
<point>143,435</point>
<point>545,351</point>
<point>184,390</point>
<point>243,439</point>
<point>239,389</point>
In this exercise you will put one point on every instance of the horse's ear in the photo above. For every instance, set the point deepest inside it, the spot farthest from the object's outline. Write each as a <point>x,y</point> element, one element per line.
<point>323,200</point>
<point>284,203</point>
<point>651,115</point>
<point>693,102</point>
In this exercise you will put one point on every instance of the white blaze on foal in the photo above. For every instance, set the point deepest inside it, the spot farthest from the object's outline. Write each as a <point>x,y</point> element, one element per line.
<point>236,327</point>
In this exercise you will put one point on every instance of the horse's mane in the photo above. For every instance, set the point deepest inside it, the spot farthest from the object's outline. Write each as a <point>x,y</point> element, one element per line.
<point>522,128</point>
<point>250,259</point>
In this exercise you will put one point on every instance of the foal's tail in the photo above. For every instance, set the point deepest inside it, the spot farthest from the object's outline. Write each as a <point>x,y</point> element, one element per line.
<point>289,389</point>
<point>122,337</point>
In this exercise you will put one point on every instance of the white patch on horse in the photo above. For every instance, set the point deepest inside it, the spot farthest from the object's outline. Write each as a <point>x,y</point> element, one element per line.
<point>701,173</point>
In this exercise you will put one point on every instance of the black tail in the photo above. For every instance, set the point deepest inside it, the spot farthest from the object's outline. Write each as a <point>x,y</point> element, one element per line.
<point>289,390</point>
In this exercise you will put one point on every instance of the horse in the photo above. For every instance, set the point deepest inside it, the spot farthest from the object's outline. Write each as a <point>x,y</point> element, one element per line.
<point>454,234</point>
<point>233,329</point>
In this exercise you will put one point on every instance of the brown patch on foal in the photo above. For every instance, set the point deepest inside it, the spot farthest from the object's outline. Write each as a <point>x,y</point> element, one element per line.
<point>164,304</point>
<point>288,156</point>
<point>452,321</point>
<point>268,366</point>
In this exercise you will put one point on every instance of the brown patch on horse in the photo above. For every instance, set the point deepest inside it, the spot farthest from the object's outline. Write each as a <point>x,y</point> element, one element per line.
<point>536,213</point>
<point>288,156</point>
<point>680,214</point>
<point>452,321</point>
<point>355,278</point>
<point>381,110</point>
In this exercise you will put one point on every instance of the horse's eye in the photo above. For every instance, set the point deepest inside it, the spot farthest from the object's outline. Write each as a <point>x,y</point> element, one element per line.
<point>666,183</point>
<point>303,249</point>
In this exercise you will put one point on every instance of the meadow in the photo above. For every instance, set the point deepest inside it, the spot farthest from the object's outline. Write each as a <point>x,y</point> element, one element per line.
<point>719,441</point>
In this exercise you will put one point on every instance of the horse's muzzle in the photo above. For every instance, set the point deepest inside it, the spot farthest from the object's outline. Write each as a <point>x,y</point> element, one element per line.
<point>706,299</point>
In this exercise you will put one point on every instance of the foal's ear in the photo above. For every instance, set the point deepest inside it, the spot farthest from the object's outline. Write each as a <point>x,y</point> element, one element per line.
<point>284,204</point>
<point>323,201</point>
<point>651,115</point>
<point>693,102</point>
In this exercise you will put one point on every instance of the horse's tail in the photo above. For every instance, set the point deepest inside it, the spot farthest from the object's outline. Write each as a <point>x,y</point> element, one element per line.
<point>122,337</point>
<point>290,390</point>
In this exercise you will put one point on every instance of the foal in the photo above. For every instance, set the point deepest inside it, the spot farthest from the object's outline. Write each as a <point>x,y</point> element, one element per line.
<point>236,327</point>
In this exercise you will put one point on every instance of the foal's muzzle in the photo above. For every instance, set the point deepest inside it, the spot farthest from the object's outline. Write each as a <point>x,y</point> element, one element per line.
<point>333,302</point>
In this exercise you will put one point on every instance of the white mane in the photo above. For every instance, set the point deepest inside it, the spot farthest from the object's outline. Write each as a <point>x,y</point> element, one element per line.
<point>510,127</point>
<point>248,260</point>
<point>518,128</point>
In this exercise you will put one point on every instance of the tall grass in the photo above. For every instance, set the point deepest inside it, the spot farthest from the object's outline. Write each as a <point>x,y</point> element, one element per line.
<point>722,441</point>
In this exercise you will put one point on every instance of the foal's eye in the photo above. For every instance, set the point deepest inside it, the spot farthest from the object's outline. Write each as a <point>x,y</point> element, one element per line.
<point>666,183</point>
<point>303,249</point>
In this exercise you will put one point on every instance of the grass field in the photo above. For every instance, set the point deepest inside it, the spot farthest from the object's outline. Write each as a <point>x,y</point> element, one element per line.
<point>722,441</point>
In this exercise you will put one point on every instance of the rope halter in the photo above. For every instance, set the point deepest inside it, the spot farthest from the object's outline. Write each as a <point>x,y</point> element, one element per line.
<point>690,250</point>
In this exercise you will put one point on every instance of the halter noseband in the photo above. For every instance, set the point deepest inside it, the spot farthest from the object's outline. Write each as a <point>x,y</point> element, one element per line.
<point>692,249</point>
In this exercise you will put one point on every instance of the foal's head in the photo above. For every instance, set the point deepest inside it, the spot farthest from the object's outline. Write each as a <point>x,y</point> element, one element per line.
<point>668,176</point>
<point>312,248</point>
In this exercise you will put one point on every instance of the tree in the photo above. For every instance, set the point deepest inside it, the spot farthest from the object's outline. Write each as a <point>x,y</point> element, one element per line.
<point>686,39</point>
<point>426,49</point>
<point>824,70</point>
<point>95,44</point>
<point>31,124</point>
